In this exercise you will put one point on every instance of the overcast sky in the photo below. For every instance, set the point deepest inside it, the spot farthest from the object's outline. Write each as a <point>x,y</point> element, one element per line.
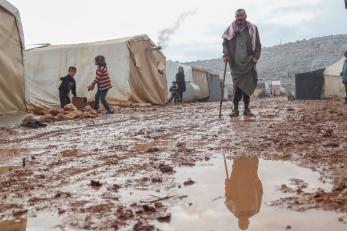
<point>199,36</point>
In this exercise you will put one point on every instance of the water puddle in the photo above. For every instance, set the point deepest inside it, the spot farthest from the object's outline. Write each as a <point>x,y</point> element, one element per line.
<point>73,153</point>
<point>44,222</point>
<point>235,195</point>
<point>6,169</point>
<point>18,151</point>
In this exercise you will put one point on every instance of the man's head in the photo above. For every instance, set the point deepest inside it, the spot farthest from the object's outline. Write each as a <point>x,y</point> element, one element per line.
<point>180,69</point>
<point>100,60</point>
<point>72,71</point>
<point>346,54</point>
<point>174,83</point>
<point>240,16</point>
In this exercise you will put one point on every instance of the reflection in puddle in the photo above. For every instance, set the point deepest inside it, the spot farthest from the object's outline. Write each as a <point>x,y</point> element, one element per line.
<point>44,222</point>
<point>243,190</point>
<point>238,198</point>
<point>15,225</point>
<point>7,169</point>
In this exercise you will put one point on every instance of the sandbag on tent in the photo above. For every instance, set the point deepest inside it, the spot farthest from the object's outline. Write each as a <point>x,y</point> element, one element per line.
<point>171,71</point>
<point>332,80</point>
<point>136,69</point>
<point>11,60</point>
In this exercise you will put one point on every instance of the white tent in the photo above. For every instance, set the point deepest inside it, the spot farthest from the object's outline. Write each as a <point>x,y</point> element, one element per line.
<point>332,85</point>
<point>172,69</point>
<point>136,69</point>
<point>11,60</point>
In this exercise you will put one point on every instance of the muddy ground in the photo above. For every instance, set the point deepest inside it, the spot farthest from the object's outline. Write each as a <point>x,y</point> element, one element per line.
<point>82,171</point>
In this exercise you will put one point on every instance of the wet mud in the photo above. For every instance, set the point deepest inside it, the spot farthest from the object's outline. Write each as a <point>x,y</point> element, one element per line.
<point>148,168</point>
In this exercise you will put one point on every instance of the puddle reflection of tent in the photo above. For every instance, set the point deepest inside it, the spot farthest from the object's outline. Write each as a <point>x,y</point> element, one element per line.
<point>320,83</point>
<point>136,69</point>
<point>243,190</point>
<point>11,60</point>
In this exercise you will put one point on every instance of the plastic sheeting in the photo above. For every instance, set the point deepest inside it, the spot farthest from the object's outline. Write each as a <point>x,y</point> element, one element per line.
<point>11,60</point>
<point>309,85</point>
<point>137,73</point>
<point>214,86</point>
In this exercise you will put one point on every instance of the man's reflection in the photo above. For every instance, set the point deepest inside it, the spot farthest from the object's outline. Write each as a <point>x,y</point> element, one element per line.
<point>15,225</point>
<point>243,190</point>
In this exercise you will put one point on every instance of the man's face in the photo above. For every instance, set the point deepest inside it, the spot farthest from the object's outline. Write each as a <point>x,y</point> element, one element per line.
<point>346,55</point>
<point>241,17</point>
<point>72,72</point>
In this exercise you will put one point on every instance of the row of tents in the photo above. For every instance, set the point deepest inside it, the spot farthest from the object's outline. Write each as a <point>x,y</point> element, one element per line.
<point>321,83</point>
<point>140,72</point>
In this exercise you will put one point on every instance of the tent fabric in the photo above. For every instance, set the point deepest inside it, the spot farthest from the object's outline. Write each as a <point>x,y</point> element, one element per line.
<point>137,73</point>
<point>192,93</point>
<point>214,87</point>
<point>171,71</point>
<point>200,79</point>
<point>11,60</point>
<point>332,80</point>
<point>309,85</point>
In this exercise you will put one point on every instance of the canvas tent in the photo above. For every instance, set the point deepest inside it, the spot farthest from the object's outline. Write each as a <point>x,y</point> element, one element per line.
<point>136,69</point>
<point>11,60</point>
<point>308,85</point>
<point>332,80</point>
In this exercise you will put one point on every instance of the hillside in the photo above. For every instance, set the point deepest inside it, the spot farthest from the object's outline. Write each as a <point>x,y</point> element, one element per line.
<point>281,62</point>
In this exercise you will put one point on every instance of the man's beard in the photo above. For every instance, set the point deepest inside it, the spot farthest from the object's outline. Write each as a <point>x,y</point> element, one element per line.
<point>241,22</point>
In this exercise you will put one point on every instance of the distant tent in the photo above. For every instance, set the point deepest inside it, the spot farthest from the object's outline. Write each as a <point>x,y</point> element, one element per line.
<point>276,88</point>
<point>214,85</point>
<point>209,84</point>
<point>11,60</point>
<point>136,69</point>
<point>200,79</point>
<point>228,85</point>
<point>171,71</point>
<point>309,85</point>
<point>332,80</point>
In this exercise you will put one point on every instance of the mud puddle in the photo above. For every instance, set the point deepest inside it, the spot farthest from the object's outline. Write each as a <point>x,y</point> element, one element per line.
<point>236,195</point>
<point>240,199</point>
<point>73,153</point>
<point>43,222</point>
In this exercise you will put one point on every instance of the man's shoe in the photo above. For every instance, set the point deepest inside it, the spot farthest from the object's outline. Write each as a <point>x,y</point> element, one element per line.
<point>235,113</point>
<point>248,113</point>
<point>109,112</point>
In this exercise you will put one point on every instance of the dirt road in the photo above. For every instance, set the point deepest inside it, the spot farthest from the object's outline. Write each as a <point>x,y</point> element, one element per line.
<point>118,172</point>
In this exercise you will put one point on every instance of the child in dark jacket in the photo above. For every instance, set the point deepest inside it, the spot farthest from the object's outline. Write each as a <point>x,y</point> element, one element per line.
<point>174,92</point>
<point>68,84</point>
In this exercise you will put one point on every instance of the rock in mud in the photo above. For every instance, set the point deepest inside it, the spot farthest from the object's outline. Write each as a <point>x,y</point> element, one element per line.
<point>95,183</point>
<point>188,182</point>
<point>165,168</point>
<point>165,218</point>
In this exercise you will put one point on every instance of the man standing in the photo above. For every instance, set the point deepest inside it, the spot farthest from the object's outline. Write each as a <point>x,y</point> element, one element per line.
<point>344,75</point>
<point>241,49</point>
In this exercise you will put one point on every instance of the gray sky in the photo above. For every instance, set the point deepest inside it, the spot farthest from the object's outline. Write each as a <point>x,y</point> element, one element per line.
<point>198,37</point>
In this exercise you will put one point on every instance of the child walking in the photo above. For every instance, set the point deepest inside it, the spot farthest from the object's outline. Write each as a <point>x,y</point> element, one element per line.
<point>103,81</point>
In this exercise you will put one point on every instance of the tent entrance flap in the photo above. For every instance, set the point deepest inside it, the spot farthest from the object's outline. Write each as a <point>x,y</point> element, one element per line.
<point>309,85</point>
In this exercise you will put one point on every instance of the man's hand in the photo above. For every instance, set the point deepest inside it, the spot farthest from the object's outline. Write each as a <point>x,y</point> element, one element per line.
<point>226,59</point>
<point>255,60</point>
